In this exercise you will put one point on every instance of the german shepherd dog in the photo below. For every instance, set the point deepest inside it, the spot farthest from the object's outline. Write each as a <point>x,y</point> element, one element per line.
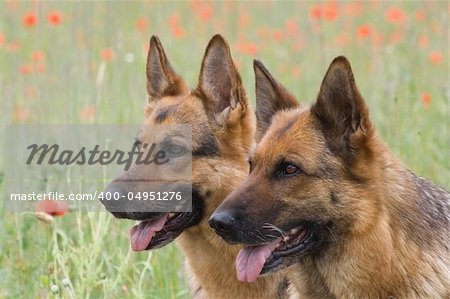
<point>327,200</point>
<point>223,129</point>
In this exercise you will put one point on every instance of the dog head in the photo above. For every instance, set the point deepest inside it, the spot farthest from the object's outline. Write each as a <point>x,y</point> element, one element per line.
<point>308,182</point>
<point>222,126</point>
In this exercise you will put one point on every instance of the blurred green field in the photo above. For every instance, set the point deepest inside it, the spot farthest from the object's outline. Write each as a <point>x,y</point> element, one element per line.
<point>84,62</point>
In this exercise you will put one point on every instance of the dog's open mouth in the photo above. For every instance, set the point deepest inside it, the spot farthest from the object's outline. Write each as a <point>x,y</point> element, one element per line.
<point>161,229</point>
<point>151,234</point>
<point>253,261</point>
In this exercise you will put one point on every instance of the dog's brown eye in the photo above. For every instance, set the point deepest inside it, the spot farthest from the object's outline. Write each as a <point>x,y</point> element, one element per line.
<point>290,169</point>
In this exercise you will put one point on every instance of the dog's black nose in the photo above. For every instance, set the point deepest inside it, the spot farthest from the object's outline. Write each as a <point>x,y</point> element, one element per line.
<point>223,222</point>
<point>113,198</point>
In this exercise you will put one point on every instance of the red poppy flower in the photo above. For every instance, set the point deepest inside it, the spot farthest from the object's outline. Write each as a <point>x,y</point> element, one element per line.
<point>395,15</point>
<point>364,31</point>
<point>278,35</point>
<point>423,41</point>
<point>295,71</point>
<point>30,19</point>
<point>141,24</point>
<point>291,26</point>
<point>12,46</point>
<point>243,19</point>
<point>425,97</point>
<point>21,114</point>
<point>330,11</point>
<point>205,12</point>
<point>316,12</point>
<point>251,49</point>
<point>108,54</point>
<point>25,69</point>
<point>2,38</point>
<point>39,68</point>
<point>435,57</point>
<point>37,56</point>
<point>174,19</point>
<point>420,15</point>
<point>177,31</point>
<point>88,112</point>
<point>52,207</point>
<point>54,18</point>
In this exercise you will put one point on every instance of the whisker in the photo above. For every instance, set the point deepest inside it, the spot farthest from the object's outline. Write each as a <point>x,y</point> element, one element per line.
<point>273,227</point>
<point>272,236</point>
<point>258,235</point>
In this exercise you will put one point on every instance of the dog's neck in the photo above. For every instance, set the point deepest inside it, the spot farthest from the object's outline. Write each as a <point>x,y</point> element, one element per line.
<point>211,266</point>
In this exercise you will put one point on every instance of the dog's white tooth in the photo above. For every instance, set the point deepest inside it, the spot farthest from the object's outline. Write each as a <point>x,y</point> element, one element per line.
<point>286,238</point>
<point>294,231</point>
<point>171,215</point>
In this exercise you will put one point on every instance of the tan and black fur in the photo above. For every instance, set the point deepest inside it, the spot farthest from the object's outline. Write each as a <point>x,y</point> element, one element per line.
<point>376,229</point>
<point>223,129</point>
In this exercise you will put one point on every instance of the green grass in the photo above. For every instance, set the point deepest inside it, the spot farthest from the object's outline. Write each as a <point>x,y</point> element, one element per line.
<point>78,86</point>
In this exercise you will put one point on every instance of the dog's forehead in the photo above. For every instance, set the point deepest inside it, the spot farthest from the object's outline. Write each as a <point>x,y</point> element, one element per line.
<point>185,109</point>
<point>292,131</point>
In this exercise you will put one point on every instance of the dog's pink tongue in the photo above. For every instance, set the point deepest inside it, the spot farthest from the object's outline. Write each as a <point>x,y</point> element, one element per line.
<point>142,233</point>
<point>250,261</point>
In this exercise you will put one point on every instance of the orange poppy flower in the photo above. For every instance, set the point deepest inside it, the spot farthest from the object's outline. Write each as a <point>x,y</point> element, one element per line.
<point>395,15</point>
<point>177,32</point>
<point>278,35</point>
<point>251,49</point>
<point>353,8</point>
<point>291,26</point>
<point>174,19</point>
<point>21,114</point>
<point>12,46</point>
<point>2,38</point>
<point>108,54</point>
<point>364,31</point>
<point>263,32</point>
<point>425,97</point>
<point>37,56</point>
<point>52,207</point>
<point>423,41</point>
<point>330,11</point>
<point>298,46</point>
<point>87,113</point>
<point>39,68</point>
<point>205,12</point>
<point>141,24</point>
<point>25,69</point>
<point>243,19</point>
<point>435,57</point>
<point>295,71</point>
<point>55,18</point>
<point>420,15</point>
<point>30,19</point>
<point>315,12</point>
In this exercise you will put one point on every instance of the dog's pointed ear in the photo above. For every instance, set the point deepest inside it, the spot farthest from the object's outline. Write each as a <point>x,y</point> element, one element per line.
<point>339,106</point>
<point>219,80</point>
<point>162,80</point>
<point>271,97</point>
